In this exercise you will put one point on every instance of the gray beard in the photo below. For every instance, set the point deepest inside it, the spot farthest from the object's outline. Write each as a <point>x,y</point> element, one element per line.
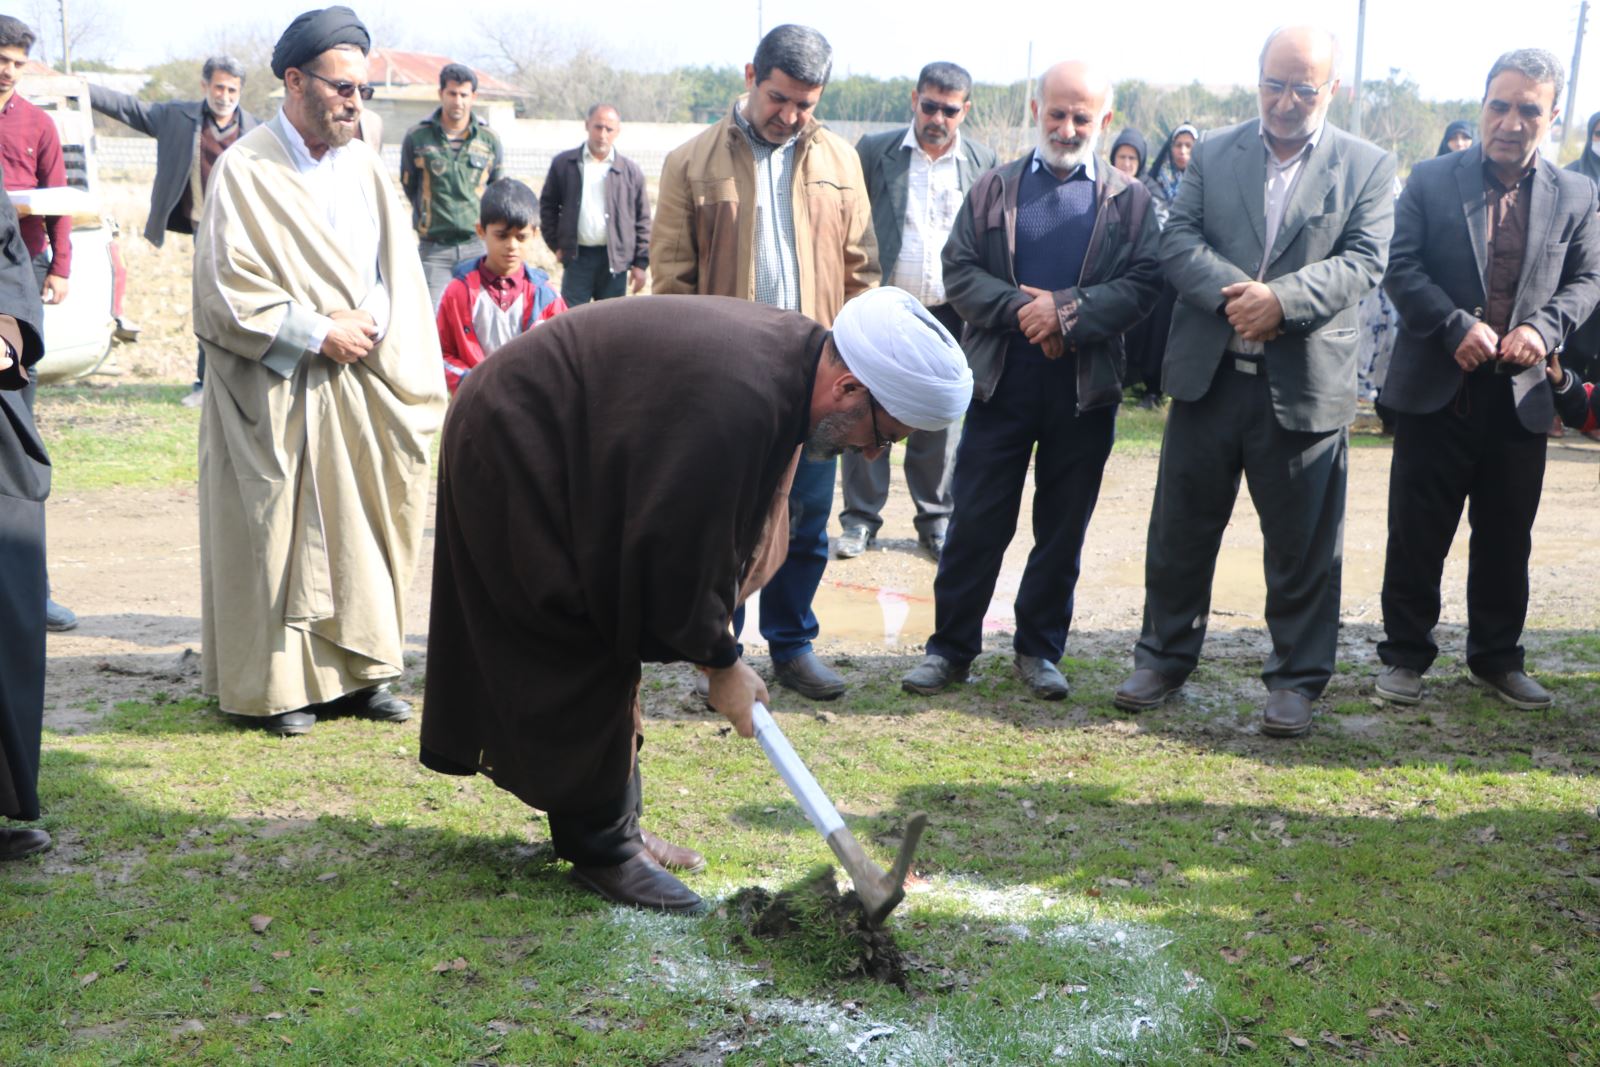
<point>1068,159</point>
<point>827,440</point>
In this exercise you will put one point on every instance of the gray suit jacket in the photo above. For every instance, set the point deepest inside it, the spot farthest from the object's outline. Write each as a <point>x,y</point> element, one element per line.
<point>173,125</point>
<point>1438,278</point>
<point>1329,253</point>
<point>885,163</point>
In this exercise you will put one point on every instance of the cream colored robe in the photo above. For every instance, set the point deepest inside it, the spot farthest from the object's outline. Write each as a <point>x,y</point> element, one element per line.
<point>313,475</point>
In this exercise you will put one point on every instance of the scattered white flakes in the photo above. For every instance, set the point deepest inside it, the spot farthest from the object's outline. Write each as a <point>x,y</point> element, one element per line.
<point>1118,999</point>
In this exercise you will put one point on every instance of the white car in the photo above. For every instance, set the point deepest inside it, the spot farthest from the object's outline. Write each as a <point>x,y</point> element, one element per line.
<point>79,331</point>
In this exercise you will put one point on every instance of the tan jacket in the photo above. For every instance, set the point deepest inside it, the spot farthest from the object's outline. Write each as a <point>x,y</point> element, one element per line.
<point>703,242</point>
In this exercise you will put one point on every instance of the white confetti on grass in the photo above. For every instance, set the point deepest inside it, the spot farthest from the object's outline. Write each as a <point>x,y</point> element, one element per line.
<point>1119,997</point>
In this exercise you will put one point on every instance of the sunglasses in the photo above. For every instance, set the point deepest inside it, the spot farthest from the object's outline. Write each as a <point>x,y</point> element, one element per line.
<point>931,108</point>
<point>1303,92</point>
<point>344,89</point>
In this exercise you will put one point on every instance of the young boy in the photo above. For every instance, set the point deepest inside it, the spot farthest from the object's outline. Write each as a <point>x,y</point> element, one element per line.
<point>497,296</point>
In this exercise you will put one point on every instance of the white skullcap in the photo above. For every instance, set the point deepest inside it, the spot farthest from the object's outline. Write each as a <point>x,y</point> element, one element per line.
<point>914,368</point>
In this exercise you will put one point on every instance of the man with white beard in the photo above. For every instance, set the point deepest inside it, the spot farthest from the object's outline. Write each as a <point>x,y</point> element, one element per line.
<point>190,135</point>
<point>1052,258</point>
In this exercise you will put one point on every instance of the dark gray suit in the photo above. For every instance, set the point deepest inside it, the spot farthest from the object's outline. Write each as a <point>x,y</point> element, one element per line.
<point>1279,418</point>
<point>929,454</point>
<point>174,125</point>
<point>1479,436</point>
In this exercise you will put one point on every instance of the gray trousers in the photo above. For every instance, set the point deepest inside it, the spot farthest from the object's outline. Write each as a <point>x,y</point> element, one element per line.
<point>439,260</point>
<point>929,460</point>
<point>1297,482</point>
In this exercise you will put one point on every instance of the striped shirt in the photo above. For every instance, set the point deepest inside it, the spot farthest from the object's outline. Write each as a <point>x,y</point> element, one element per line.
<point>777,266</point>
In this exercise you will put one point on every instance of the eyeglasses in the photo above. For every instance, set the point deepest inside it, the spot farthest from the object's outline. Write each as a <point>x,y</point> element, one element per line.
<point>1303,92</point>
<point>931,108</point>
<point>344,89</point>
<point>879,441</point>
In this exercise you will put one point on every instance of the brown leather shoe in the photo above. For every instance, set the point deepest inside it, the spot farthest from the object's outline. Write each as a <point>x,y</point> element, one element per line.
<point>1144,689</point>
<point>1287,714</point>
<point>1517,689</point>
<point>672,857</point>
<point>19,841</point>
<point>642,883</point>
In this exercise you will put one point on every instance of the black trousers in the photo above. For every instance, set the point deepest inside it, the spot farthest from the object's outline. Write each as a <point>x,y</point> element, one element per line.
<point>605,835</point>
<point>587,276</point>
<point>1473,451</point>
<point>1035,403</point>
<point>1297,482</point>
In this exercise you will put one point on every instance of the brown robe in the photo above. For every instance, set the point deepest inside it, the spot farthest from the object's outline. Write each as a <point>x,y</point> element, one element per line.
<point>605,488</point>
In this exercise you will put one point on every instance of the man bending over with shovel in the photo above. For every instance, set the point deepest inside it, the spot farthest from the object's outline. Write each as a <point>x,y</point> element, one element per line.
<point>612,486</point>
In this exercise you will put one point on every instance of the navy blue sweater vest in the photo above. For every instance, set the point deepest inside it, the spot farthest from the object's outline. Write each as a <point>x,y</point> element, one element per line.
<point>1055,220</point>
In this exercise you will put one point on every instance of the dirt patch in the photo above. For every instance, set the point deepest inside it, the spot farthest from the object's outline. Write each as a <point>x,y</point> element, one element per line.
<point>821,921</point>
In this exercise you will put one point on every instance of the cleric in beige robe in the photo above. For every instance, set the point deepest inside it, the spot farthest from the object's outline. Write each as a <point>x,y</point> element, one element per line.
<point>323,387</point>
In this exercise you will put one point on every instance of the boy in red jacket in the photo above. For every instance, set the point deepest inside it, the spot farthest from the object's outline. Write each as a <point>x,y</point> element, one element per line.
<point>497,296</point>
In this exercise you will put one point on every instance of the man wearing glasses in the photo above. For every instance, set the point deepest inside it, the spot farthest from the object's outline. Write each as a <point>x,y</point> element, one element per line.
<point>1281,227</point>
<point>916,178</point>
<point>1051,260</point>
<point>323,386</point>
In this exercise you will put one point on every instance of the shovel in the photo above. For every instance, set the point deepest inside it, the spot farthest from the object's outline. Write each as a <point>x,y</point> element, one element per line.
<point>880,891</point>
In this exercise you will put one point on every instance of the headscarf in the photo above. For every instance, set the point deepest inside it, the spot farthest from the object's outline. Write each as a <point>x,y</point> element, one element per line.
<point>1458,126</point>
<point>914,368</point>
<point>313,33</point>
<point>1587,162</point>
<point>1134,140</point>
<point>1169,181</point>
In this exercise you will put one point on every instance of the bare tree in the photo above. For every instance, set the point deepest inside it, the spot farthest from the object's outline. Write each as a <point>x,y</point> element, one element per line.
<point>94,29</point>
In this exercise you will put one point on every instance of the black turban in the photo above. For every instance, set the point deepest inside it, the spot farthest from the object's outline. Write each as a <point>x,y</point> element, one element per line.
<point>313,33</point>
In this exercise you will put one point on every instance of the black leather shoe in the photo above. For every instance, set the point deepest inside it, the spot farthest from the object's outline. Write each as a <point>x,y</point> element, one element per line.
<point>58,618</point>
<point>642,883</point>
<point>1287,714</point>
<point>289,724</point>
<point>853,541</point>
<point>1399,685</point>
<point>672,857</point>
<point>1517,689</point>
<point>1144,689</point>
<point>19,841</point>
<point>932,542</point>
<point>810,677</point>
<point>1043,678</point>
<point>377,704</point>
<point>933,675</point>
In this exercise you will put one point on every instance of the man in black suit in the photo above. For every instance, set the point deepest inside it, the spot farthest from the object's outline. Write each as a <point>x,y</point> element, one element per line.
<point>916,178</point>
<point>1281,226</point>
<point>1496,261</point>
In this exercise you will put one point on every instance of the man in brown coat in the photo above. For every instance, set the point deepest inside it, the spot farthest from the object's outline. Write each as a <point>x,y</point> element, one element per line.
<point>589,519</point>
<point>768,206</point>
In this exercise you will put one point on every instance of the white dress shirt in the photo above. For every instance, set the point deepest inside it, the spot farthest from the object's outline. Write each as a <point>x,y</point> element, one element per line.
<point>1282,174</point>
<point>592,204</point>
<point>933,196</point>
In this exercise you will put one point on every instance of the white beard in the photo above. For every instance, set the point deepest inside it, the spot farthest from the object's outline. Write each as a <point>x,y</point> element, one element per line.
<point>1067,158</point>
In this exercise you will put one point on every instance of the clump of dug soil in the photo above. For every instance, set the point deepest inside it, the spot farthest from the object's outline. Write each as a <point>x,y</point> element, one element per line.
<point>817,920</point>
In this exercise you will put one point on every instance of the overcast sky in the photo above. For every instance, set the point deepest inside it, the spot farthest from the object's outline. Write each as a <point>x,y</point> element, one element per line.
<point>1162,41</point>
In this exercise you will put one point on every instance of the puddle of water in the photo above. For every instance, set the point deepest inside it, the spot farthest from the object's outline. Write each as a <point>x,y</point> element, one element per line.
<point>862,615</point>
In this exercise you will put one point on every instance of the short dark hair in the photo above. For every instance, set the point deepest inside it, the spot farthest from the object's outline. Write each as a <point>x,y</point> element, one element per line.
<point>945,77</point>
<point>596,109</point>
<point>508,202</point>
<point>14,33</point>
<point>458,74</point>
<point>1535,64</point>
<point>225,64</point>
<point>799,51</point>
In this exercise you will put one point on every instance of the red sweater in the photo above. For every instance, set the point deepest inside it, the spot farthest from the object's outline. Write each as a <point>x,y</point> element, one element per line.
<point>466,304</point>
<point>30,150</point>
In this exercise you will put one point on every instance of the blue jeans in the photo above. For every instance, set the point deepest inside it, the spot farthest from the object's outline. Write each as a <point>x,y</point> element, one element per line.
<point>787,621</point>
<point>587,276</point>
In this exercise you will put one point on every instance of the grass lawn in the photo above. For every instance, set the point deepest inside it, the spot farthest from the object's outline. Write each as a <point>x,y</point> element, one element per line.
<point>1403,886</point>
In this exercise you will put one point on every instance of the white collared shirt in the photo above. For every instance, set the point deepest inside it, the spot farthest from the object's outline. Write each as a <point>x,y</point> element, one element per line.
<point>337,185</point>
<point>933,196</point>
<point>592,204</point>
<point>1282,174</point>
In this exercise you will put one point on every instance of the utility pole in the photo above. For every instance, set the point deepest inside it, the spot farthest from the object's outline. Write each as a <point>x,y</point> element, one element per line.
<point>66,42</point>
<point>1572,120</point>
<point>761,28</point>
<point>1361,44</point>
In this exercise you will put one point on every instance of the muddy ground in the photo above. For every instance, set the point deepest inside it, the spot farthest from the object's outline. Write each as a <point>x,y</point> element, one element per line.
<point>127,560</point>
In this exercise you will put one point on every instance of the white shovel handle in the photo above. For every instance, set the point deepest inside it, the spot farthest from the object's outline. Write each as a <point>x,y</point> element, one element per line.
<point>818,808</point>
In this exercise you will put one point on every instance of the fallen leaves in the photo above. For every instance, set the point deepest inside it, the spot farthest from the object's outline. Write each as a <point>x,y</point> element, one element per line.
<point>1233,955</point>
<point>445,966</point>
<point>259,923</point>
<point>92,976</point>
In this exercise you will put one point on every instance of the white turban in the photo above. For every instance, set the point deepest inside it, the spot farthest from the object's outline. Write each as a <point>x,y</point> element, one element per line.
<point>914,368</point>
